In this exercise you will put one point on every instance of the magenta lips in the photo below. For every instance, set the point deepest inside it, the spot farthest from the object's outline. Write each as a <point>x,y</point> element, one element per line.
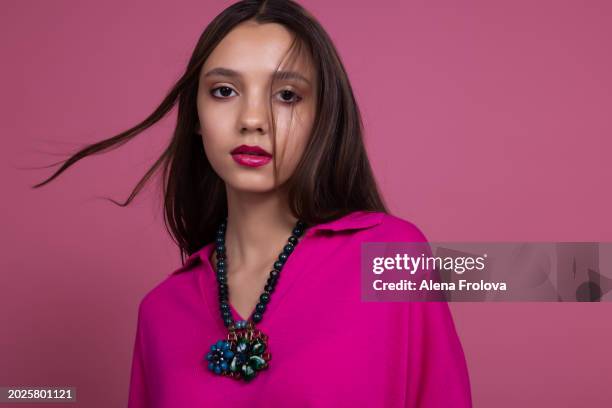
<point>251,156</point>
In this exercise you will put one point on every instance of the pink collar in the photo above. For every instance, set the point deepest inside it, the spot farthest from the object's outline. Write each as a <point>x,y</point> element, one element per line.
<point>351,221</point>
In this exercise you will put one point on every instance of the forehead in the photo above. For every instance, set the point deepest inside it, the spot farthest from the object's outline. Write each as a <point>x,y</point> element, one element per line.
<point>257,49</point>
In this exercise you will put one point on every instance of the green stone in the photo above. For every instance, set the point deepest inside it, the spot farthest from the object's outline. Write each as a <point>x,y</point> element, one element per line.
<point>234,364</point>
<point>247,372</point>
<point>242,346</point>
<point>259,347</point>
<point>257,362</point>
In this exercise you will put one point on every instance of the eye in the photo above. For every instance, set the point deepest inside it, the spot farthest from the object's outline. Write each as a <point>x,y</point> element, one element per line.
<point>286,95</point>
<point>289,97</point>
<point>225,92</point>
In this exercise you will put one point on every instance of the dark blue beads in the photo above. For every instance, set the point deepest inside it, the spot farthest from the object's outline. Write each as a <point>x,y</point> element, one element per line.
<point>219,356</point>
<point>264,298</point>
<point>271,282</point>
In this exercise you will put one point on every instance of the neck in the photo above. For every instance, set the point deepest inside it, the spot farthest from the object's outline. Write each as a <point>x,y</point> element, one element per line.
<point>258,225</point>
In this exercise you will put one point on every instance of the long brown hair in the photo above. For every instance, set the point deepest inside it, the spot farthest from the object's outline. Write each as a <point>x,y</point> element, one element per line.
<point>333,176</point>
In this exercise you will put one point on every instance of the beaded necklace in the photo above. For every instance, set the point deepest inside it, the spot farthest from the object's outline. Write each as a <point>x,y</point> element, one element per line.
<point>244,352</point>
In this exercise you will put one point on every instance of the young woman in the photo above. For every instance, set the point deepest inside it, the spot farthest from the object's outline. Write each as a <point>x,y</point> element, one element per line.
<point>269,192</point>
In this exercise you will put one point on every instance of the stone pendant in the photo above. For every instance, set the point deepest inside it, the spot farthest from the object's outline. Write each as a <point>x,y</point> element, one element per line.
<point>241,355</point>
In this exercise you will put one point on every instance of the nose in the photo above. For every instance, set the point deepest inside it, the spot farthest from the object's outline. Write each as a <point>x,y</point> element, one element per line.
<point>255,116</point>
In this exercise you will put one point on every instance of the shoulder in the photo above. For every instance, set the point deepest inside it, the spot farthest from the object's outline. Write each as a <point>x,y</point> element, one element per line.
<point>394,228</point>
<point>172,289</point>
<point>374,223</point>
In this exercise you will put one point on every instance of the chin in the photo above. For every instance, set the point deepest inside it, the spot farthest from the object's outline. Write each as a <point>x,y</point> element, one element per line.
<point>252,186</point>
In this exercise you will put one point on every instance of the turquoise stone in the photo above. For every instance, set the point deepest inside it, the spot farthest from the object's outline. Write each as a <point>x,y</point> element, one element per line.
<point>258,347</point>
<point>257,362</point>
<point>234,365</point>
<point>242,346</point>
<point>248,372</point>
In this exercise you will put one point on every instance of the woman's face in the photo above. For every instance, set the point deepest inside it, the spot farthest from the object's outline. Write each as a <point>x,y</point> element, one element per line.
<point>235,106</point>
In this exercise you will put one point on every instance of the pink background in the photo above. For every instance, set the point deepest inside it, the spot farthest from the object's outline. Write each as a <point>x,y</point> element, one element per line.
<point>505,104</point>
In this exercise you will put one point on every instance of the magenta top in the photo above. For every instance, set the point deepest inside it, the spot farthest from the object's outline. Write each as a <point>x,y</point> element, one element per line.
<point>329,349</point>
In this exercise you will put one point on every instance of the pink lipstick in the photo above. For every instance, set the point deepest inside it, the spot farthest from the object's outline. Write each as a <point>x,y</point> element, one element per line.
<point>251,156</point>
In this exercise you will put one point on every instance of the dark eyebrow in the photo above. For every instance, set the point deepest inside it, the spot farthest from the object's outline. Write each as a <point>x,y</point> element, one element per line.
<point>278,75</point>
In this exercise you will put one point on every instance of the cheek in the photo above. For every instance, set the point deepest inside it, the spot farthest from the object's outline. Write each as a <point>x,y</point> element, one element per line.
<point>215,127</point>
<point>295,142</point>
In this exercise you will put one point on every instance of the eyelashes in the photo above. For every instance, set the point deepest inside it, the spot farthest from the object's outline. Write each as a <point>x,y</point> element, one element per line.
<point>287,96</point>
